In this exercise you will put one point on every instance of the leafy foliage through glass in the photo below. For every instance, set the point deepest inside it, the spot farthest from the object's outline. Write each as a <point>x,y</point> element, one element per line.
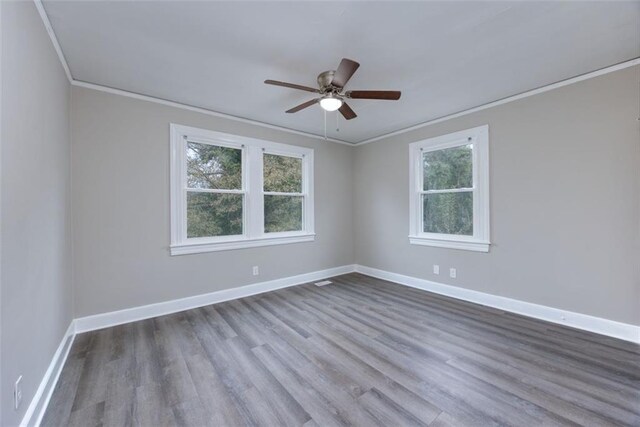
<point>282,213</point>
<point>448,168</point>
<point>213,167</point>
<point>214,214</point>
<point>448,213</point>
<point>282,174</point>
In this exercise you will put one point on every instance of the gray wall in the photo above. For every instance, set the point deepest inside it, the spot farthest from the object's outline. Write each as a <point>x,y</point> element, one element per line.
<point>565,204</point>
<point>565,201</point>
<point>35,226</point>
<point>121,208</point>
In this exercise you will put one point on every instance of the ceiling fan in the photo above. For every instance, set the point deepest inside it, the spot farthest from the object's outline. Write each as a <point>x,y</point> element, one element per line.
<point>331,89</point>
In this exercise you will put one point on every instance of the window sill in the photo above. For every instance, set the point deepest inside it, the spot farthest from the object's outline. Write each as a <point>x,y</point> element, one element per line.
<point>200,247</point>
<point>465,245</point>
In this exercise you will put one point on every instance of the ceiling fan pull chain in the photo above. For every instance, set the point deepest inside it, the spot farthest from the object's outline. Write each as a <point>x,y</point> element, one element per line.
<point>337,124</point>
<point>325,124</point>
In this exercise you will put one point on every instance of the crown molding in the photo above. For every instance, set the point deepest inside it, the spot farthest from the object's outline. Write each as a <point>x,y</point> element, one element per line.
<point>166,102</point>
<point>508,99</point>
<point>54,39</point>
<point>502,101</point>
<point>74,82</point>
<point>542,89</point>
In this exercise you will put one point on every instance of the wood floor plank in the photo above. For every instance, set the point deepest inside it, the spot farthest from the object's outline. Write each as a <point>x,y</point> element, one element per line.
<point>233,377</point>
<point>91,388</point>
<point>220,408</point>
<point>503,335</point>
<point>87,416</point>
<point>387,411</point>
<point>150,409</point>
<point>65,390</point>
<point>409,372</point>
<point>421,409</point>
<point>360,351</point>
<point>315,403</point>
<point>462,341</point>
<point>287,410</point>
<point>192,413</point>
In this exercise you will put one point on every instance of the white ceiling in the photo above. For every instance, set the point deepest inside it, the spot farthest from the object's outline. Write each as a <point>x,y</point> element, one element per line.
<point>444,56</point>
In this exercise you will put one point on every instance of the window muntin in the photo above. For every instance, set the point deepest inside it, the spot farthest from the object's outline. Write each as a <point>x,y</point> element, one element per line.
<point>229,192</point>
<point>449,191</point>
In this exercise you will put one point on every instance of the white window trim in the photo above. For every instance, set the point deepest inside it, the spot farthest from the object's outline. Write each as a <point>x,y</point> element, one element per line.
<point>480,241</point>
<point>253,208</point>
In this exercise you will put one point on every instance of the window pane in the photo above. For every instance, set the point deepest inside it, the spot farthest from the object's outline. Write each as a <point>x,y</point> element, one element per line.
<point>448,168</point>
<point>448,213</point>
<point>210,166</point>
<point>213,214</point>
<point>282,213</point>
<point>282,174</point>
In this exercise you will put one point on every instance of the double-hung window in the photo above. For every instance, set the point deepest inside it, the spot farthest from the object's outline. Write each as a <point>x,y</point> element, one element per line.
<point>282,192</point>
<point>230,192</point>
<point>449,200</point>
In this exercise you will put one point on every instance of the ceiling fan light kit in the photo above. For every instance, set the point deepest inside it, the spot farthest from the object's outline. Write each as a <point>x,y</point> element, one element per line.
<point>330,103</point>
<point>331,90</point>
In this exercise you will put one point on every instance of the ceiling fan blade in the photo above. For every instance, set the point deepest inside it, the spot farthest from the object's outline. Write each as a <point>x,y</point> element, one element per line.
<point>291,85</point>
<point>303,106</point>
<point>344,72</point>
<point>347,112</point>
<point>390,95</point>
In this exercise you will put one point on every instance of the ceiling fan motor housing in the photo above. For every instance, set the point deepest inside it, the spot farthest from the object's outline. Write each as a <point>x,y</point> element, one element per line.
<point>325,79</point>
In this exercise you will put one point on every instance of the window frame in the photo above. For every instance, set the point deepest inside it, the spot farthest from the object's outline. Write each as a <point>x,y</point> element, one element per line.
<point>253,150</point>
<point>480,240</point>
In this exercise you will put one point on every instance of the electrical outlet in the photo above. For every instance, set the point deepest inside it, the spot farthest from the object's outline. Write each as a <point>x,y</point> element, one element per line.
<point>17,393</point>
<point>452,273</point>
<point>256,270</point>
<point>436,269</point>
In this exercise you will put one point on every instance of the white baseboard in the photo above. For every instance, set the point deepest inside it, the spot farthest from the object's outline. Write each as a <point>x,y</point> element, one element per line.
<point>105,320</point>
<point>585,322</point>
<point>40,400</point>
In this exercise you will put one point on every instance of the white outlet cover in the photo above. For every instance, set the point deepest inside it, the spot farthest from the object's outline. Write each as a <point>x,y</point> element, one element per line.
<point>436,269</point>
<point>452,273</point>
<point>256,270</point>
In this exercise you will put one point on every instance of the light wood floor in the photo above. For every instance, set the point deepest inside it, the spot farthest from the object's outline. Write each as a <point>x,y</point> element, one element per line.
<point>359,352</point>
